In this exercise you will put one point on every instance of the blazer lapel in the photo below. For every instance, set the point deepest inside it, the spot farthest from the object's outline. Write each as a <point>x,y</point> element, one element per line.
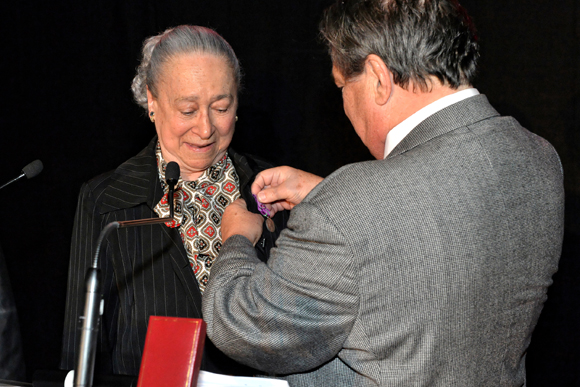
<point>460,114</point>
<point>243,168</point>
<point>182,268</point>
<point>136,183</point>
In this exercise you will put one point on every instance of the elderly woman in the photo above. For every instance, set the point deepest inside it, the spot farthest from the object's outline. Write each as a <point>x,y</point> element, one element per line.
<point>188,81</point>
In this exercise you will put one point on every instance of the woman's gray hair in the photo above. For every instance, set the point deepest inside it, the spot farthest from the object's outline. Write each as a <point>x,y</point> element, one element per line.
<point>184,39</point>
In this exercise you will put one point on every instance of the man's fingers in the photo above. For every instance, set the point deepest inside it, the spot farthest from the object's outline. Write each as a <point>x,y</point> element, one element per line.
<point>271,177</point>
<point>269,195</point>
<point>284,185</point>
<point>237,220</point>
<point>259,183</point>
<point>235,207</point>
<point>265,179</point>
<point>240,203</point>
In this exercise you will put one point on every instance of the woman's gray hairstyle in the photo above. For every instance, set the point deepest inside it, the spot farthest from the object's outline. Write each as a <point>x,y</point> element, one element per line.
<point>184,39</point>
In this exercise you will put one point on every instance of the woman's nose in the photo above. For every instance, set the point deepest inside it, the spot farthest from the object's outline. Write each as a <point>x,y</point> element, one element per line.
<point>204,126</point>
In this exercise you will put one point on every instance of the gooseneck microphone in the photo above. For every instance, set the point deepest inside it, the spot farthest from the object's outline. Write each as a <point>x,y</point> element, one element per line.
<point>171,178</point>
<point>30,171</point>
<point>89,322</point>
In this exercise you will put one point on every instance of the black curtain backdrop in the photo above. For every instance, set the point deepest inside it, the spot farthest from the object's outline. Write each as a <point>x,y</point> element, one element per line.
<point>66,70</point>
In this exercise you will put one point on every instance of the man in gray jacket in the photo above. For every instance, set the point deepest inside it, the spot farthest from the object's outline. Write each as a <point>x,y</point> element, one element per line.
<point>426,267</point>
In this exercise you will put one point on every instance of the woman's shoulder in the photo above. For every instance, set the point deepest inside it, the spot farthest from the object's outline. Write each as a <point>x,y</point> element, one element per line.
<point>100,182</point>
<point>247,166</point>
<point>249,161</point>
<point>127,185</point>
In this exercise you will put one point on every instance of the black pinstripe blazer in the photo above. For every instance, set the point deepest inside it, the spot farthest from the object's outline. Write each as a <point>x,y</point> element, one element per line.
<point>145,270</point>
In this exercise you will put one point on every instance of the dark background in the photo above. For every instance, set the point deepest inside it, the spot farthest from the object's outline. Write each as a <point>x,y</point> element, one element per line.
<point>66,70</point>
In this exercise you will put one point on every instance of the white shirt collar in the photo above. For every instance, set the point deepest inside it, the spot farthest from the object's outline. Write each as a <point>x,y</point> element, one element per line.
<point>399,132</point>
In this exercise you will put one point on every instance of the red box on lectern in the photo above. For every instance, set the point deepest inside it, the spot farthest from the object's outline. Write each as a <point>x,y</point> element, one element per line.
<point>172,353</point>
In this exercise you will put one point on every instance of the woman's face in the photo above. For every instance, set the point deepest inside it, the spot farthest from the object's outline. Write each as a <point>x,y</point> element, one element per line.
<point>195,111</point>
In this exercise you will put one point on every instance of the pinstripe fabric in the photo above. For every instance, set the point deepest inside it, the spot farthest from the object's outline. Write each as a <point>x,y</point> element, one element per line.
<point>435,278</point>
<point>145,269</point>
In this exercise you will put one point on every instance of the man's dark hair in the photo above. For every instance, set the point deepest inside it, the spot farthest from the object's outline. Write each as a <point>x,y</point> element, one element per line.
<point>415,38</point>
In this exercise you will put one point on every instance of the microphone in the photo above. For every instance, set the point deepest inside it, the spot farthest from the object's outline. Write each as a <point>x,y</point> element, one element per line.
<point>90,320</point>
<point>30,171</point>
<point>171,178</point>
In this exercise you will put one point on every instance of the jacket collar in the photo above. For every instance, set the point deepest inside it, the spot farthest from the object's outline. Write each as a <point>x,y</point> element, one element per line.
<point>461,114</point>
<point>136,181</point>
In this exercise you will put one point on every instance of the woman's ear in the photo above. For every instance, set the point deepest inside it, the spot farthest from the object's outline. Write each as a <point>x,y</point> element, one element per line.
<point>381,77</point>
<point>151,101</point>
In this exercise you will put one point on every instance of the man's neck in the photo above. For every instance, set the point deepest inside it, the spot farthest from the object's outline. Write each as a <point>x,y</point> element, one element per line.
<point>396,134</point>
<point>407,102</point>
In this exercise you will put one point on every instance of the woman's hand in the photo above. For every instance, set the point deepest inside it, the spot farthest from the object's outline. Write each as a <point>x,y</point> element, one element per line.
<point>282,188</point>
<point>237,220</point>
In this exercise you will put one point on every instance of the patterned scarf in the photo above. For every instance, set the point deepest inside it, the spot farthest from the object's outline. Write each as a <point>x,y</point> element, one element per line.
<point>199,206</point>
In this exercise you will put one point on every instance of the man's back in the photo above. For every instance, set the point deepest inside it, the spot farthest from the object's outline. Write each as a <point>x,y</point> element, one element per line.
<point>429,268</point>
<point>455,238</point>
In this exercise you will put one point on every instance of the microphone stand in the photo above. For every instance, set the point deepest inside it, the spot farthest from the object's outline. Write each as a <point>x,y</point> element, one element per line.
<point>13,180</point>
<point>90,320</point>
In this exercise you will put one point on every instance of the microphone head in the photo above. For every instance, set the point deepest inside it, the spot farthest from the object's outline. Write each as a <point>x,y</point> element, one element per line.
<point>172,173</point>
<point>33,169</point>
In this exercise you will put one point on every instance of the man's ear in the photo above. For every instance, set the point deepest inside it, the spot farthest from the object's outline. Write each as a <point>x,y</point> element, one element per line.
<point>381,77</point>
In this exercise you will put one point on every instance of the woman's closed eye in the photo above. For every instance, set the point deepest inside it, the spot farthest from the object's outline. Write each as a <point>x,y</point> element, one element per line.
<point>189,112</point>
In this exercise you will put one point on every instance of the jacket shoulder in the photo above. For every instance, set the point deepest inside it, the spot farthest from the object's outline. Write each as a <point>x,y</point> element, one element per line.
<point>98,184</point>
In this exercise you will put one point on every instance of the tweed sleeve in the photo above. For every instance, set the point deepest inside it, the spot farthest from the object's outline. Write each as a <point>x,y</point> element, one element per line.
<point>292,314</point>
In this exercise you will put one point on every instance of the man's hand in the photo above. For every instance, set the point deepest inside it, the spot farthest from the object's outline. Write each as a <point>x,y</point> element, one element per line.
<point>282,188</point>
<point>237,220</point>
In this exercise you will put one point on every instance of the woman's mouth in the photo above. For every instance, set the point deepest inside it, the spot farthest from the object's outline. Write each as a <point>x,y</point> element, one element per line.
<point>199,147</point>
